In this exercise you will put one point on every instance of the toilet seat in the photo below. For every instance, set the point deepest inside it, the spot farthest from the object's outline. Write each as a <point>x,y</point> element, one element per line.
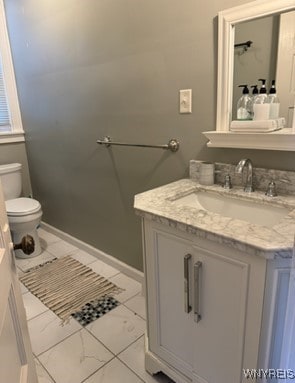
<point>22,206</point>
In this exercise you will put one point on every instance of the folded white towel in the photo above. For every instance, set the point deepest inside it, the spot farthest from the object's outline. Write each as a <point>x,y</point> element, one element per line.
<point>261,126</point>
<point>250,130</point>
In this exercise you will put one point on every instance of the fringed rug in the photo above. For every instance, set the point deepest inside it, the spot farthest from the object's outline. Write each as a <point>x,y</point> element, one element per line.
<point>65,286</point>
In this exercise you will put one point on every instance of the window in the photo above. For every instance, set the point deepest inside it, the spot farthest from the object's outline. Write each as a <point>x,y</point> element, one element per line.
<point>11,129</point>
<point>4,113</point>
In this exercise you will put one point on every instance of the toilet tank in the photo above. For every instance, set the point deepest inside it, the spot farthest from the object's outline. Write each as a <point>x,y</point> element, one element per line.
<point>10,176</point>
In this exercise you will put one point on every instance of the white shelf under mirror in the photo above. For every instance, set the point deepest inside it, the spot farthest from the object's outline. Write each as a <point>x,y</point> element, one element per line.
<point>279,140</point>
<point>222,137</point>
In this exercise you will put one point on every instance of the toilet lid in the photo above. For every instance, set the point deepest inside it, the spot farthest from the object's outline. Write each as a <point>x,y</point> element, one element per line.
<point>22,206</point>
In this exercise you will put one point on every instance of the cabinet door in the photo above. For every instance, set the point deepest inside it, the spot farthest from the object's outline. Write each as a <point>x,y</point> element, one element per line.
<point>169,325</point>
<point>221,286</point>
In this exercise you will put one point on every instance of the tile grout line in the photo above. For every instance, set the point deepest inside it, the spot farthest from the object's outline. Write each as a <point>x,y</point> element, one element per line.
<point>126,365</point>
<point>100,341</point>
<point>34,317</point>
<point>130,368</point>
<point>53,380</point>
<point>132,309</point>
<point>134,312</point>
<point>43,312</point>
<point>93,373</point>
<point>75,332</point>
<point>124,349</point>
<point>116,356</point>
<point>85,327</point>
<point>95,337</point>
<point>82,328</point>
<point>132,296</point>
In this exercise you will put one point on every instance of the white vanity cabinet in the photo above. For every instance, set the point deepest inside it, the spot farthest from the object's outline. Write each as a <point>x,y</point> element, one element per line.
<point>206,330</point>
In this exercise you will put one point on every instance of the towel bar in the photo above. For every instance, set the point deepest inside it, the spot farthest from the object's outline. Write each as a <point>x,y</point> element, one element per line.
<point>172,145</point>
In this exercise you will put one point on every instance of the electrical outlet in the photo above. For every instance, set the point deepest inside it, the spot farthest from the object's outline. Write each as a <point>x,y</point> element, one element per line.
<point>185,101</point>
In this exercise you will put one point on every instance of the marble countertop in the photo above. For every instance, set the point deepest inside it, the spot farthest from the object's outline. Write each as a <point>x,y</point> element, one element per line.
<point>160,205</point>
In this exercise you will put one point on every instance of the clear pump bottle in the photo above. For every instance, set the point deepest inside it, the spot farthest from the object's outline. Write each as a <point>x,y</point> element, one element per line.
<point>244,105</point>
<point>254,95</point>
<point>274,102</point>
<point>261,104</point>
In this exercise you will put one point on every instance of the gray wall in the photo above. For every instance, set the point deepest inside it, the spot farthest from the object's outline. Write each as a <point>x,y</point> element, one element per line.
<point>91,68</point>
<point>16,152</point>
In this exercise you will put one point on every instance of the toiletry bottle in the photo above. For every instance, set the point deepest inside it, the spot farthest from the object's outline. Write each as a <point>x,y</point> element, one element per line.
<point>261,104</point>
<point>274,102</point>
<point>244,105</point>
<point>254,95</point>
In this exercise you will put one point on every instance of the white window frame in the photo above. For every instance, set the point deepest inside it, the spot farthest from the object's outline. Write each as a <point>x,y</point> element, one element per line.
<point>17,133</point>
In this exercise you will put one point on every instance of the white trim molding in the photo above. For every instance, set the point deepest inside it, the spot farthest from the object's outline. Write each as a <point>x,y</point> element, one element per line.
<point>17,133</point>
<point>99,254</point>
<point>7,138</point>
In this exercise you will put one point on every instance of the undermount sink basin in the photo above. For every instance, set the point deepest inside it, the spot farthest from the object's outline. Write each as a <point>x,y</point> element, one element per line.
<point>252,212</point>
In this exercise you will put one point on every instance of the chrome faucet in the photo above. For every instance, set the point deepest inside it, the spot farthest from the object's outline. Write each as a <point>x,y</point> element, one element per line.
<point>249,181</point>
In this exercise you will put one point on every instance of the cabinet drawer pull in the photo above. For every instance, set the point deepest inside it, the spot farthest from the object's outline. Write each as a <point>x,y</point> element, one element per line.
<point>187,307</point>
<point>197,279</point>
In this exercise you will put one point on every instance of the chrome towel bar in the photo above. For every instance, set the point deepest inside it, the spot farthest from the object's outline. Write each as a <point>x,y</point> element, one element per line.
<point>172,145</point>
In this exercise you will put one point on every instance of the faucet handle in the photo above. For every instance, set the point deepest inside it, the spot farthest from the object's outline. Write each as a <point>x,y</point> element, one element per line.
<point>271,190</point>
<point>227,182</point>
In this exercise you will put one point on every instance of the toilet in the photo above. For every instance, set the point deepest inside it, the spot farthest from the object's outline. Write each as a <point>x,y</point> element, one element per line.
<point>24,214</point>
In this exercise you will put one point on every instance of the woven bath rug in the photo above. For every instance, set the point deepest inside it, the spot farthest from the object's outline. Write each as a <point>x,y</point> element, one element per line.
<point>66,285</point>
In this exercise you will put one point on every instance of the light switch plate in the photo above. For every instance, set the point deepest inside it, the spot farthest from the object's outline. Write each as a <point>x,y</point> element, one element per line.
<point>185,101</point>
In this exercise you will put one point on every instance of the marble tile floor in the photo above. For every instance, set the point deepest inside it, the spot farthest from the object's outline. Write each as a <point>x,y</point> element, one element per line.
<point>108,350</point>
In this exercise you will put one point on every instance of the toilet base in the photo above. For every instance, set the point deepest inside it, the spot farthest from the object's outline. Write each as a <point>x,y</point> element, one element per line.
<point>17,238</point>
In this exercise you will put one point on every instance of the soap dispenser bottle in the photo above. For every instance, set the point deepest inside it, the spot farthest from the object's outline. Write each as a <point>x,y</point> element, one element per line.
<point>274,102</point>
<point>261,104</point>
<point>254,95</point>
<point>244,105</point>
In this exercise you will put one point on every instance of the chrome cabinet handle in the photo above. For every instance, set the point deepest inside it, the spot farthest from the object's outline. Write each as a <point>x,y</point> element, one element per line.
<point>187,307</point>
<point>197,278</point>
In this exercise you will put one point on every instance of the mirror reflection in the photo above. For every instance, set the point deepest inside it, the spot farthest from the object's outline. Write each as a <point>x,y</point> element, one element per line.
<point>272,49</point>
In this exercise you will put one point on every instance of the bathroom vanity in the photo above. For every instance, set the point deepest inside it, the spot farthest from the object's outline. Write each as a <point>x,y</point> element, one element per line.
<point>216,282</point>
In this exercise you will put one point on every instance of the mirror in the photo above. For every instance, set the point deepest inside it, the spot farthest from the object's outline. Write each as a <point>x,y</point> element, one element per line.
<point>233,26</point>
<point>257,61</point>
<point>263,59</point>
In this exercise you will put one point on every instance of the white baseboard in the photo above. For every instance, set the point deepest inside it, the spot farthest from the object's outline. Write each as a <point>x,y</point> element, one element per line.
<point>108,259</point>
